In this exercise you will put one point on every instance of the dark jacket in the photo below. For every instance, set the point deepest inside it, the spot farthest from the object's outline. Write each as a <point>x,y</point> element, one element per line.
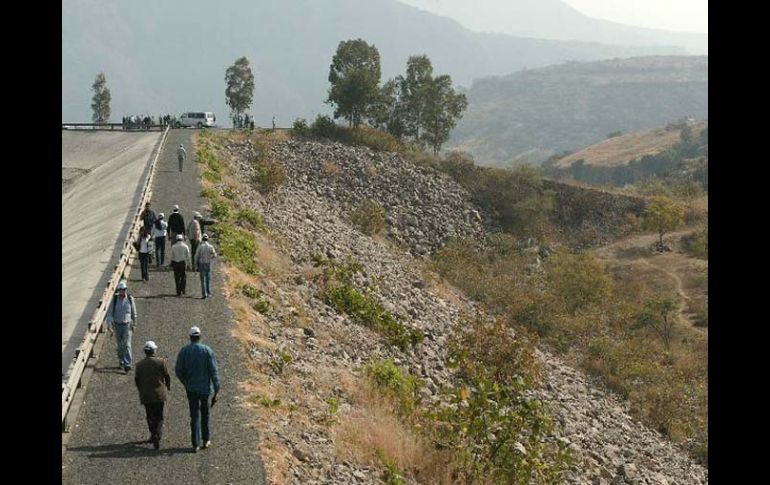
<point>148,218</point>
<point>176,223</point>
<point>196,367</point>
<point>152,379</point>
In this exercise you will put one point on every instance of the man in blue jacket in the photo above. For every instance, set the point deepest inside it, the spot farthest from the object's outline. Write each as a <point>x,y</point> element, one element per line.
<point>196,367</point>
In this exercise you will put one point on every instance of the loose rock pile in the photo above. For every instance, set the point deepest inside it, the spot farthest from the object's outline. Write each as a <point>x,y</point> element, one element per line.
<point>308,217</point>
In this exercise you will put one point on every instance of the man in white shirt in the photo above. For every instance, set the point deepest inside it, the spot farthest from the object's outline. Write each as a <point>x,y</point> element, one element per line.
<point>180,261</point>
<point>203,258</point>
<point>181,154</point>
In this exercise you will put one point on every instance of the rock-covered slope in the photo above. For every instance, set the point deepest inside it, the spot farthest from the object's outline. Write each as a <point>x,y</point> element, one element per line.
<point>308,216</point>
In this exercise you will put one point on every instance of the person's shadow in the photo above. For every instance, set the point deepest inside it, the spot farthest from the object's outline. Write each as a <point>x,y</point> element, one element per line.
<point>131,449</point>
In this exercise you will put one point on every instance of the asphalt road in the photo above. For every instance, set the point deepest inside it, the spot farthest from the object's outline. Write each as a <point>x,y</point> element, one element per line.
<point>105,443</point>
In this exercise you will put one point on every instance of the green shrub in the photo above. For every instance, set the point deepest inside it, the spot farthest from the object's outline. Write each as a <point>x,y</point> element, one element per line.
<point>300,128</point>
<point>579,279</point>
<point>238,247</point>
<point>250,217</point>
<point>369,217</point>
<point>375,139</point>
<point>393,475</point>
<point>399,385</point>
<point>325,127</point>
<point>251,291</point>
<point>228,192</point>
<point>212,177</point>
<point>221,209</point>
<point>339,292</point>
<point>268,176</point>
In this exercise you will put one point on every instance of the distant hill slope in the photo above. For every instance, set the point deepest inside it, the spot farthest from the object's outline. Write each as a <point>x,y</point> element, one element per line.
<point>534,114</point>
<point>554,19</point>
<point>171,56</point>
<point>620,150</point>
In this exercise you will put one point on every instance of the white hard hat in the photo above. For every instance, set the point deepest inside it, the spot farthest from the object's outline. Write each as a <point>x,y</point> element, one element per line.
<point>195,332</point>
<point>179,237</point>
<point>122,285</point>
<point>150,345</point>
<point>176,207</point>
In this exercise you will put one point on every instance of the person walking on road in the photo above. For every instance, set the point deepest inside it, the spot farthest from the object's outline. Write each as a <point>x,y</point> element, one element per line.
<point>121,320</point>
<point>196,367</point>
<point>175,224</point>
<point>181,154</point>
<point>148,217</point>
<point>153,382</point>
<point>203,258</point>
<point>145,251</point>
<point>180,261</point>
<point>159,232</point>
<point>194,234</point>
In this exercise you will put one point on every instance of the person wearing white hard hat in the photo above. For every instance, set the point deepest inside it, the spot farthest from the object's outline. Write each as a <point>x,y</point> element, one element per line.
<point>153,381</point>
<point>180,261</point>
<point>121,320</point>
<point>203,258</point>
<point>159,232</point>
<point>175,224</point>
<point>181,154</point>
<point>196,367</point>
<point>194,234</point>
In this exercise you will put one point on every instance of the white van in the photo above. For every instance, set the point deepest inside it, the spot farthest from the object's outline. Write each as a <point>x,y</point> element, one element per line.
<point>197,119</point>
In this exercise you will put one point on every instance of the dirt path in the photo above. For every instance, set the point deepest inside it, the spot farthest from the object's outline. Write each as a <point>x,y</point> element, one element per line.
<point>636,250</point>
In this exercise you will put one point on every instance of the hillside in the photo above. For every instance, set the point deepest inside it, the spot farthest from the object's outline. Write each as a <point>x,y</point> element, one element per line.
<point>339,397</point>
<point>620,150</point>
<point>170,57</point>
<point>538,18</point>
<point>534,114</point>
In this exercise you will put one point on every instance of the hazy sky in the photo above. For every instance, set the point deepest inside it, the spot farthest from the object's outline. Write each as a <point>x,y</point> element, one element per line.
<point>680,15</point>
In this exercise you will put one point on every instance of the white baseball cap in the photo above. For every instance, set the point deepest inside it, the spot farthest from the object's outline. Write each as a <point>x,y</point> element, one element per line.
<point>176,207</point>
<point>179,237</point>
<point>195,331</point>
<point>150,345</point>
<point>122,285</point>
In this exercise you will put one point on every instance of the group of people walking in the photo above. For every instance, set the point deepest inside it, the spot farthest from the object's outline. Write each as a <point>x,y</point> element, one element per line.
<point>196,368</point>
<point>196,365</point>
<point>197,257</point>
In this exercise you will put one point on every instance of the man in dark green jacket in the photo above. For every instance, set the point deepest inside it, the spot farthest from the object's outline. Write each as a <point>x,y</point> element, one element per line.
<point>153,381</point>
<point>196,367</point>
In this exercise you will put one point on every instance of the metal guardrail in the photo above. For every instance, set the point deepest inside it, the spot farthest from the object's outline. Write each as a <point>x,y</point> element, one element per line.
<point>112,126</point>
<point>95,325</point>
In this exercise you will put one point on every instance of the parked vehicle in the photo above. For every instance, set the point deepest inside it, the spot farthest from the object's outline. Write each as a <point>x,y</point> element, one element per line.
<point>197,119</point>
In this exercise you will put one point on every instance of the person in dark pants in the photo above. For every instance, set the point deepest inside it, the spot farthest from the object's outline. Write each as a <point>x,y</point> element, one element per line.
<point>153,381</point>
<point>180,261</point>
<point>159,232</point>
<point>194,233</point>
<point>175,224</point>
<point>196,367</point>
<point>202,259</point>
<point>145,250</point>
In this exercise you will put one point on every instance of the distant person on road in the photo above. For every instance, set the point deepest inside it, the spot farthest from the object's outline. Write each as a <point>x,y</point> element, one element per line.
<point>181,154</point>
<point>121,320</point>
<point>194,234</point>
<point>159,233</point>
<point>153,382</point>
<point>180,261</point>
<point>145,249</point>
<point>196,368</point>
<point>175,224</point>
<point>203,258</point>
<point>273,123</point>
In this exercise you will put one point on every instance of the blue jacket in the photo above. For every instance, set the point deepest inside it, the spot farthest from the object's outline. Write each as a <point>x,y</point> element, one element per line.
<point>196,367</point>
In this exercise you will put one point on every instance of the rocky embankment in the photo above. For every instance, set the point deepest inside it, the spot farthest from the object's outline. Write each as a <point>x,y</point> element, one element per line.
<point>309,216</point>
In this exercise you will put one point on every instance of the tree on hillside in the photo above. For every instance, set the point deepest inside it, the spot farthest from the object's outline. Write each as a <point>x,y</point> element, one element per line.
<point>100,103</point>
<point>354,75</point>
<point>659,313</point>
<point>414,86</point>
<point>389,111</point>
<point>239,88</point>
<point>663,215</point>
<point>442,108</point>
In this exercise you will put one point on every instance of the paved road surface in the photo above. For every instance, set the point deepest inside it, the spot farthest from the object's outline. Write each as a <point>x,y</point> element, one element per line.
<point>102,177</point>
<point>104,447</point>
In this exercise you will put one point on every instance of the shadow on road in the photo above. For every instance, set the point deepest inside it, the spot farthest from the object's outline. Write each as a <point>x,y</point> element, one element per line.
<point>131,449</point>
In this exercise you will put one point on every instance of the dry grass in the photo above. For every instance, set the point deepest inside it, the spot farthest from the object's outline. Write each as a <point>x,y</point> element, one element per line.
<point>371,430</point>
<point>331,169</point>
<point>622,149</point>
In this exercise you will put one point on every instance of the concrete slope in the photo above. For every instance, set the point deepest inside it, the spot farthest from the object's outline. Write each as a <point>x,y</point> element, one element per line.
<point>102,176</point>
<point>105,443</point>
